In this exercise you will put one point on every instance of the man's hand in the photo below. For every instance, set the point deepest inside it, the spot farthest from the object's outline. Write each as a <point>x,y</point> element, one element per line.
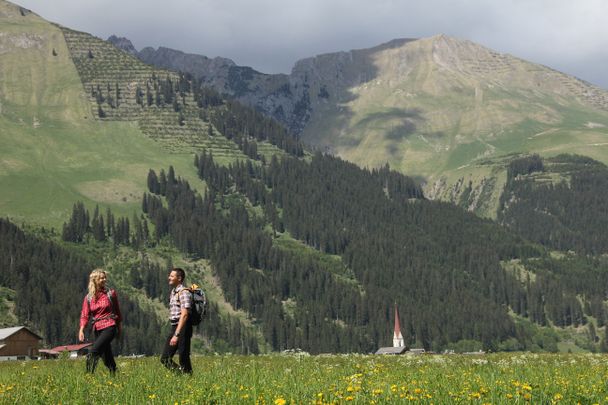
<point>173,341</point>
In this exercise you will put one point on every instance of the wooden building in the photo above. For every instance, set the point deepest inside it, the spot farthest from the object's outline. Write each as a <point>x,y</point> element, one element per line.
<point>18,343</point>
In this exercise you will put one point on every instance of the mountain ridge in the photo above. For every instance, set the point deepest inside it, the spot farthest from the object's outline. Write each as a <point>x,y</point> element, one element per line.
<point>439,108</point>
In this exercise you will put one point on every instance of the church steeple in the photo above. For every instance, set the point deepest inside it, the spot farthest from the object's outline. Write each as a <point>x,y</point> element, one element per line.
<point>397,337</point>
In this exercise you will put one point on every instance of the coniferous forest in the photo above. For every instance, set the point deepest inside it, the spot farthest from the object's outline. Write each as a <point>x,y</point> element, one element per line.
<point>567,215</point>
<point>442,266</point>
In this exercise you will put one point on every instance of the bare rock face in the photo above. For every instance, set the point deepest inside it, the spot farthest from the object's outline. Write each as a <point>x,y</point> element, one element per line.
<point>10,10</point>
<point>123,43</point>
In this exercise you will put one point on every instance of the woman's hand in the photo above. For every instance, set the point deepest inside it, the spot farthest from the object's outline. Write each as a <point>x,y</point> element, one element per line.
<point>81,335</point>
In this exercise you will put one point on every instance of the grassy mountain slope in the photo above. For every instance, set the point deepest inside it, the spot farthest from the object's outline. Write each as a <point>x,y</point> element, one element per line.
<point>54,151</point>
<point>447,110</point>
<point>441,108</point>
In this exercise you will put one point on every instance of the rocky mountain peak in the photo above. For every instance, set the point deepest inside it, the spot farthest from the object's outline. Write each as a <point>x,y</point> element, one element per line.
<point>123,43</point>
<point>11,10</point>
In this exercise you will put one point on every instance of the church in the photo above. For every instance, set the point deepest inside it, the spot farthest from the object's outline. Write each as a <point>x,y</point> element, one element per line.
<point>399,346</point>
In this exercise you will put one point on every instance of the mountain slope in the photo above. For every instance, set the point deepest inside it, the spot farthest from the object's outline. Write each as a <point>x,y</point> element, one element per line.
<point>445,109</point>
<point>54,151</point>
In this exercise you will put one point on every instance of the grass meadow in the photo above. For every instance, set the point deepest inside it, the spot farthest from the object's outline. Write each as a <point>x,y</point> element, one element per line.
<point>331,379</point>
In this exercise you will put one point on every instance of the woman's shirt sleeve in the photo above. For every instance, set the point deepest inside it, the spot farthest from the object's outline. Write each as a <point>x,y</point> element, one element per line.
<point>84,313</point>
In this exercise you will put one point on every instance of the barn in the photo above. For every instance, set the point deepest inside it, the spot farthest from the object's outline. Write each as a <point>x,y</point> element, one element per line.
<point>18,343</point>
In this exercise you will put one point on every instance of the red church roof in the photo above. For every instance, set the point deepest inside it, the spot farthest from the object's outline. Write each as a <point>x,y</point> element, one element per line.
<point>397,325</point>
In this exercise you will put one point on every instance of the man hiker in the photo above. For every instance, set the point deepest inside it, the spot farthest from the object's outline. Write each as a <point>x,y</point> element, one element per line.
<point>180,305</point>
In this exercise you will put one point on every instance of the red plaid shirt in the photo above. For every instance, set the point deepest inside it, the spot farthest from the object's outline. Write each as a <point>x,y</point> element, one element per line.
<point>100,308</point>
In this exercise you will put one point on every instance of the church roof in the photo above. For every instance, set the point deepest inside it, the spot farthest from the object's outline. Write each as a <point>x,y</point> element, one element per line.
<point>397,324</point>
<point>391,350</point>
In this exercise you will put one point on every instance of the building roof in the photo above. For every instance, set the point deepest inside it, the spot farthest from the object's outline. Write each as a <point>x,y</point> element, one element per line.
<point>397,324</point>
<point>48,351</point>
<point>71,348</point>
<point>392,350</point>
<point>7,332</point>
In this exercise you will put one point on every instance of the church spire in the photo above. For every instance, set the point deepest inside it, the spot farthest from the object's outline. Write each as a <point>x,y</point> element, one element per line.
<point>397,337</point>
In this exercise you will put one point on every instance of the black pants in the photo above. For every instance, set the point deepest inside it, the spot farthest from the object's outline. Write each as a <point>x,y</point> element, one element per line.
<point>182,347</point>
<point>102,348</point>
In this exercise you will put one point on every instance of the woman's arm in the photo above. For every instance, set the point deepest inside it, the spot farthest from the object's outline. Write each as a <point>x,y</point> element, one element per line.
<point>84,318</point>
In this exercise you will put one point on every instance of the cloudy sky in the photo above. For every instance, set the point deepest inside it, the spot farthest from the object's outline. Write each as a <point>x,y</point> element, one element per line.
<point>270,35</point>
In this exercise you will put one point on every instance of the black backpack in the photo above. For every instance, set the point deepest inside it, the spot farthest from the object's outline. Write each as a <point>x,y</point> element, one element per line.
<point>199,304</point>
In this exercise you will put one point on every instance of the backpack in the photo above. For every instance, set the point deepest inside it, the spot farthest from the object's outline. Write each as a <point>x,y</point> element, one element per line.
<point>199,304</point>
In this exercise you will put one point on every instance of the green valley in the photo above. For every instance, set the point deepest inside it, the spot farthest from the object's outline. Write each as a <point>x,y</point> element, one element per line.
<point>109,161</point>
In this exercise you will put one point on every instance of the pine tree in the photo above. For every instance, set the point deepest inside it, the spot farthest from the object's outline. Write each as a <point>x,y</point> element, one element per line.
<point>139,96</point>
<point>110,223</point>
<point>153,183</point>
<point>604,342</point>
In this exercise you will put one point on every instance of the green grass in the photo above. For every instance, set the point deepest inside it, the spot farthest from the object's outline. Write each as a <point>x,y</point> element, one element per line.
<point>330,263</point>
<point>438,379</point>
<point>54,149</point>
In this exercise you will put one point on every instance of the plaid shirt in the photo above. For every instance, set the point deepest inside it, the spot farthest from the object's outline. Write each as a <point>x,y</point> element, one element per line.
<point>180,298</point>
<point>100,308</point>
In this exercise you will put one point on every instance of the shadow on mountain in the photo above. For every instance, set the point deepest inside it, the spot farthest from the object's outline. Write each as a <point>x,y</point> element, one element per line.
<point>326,84</point>
<point>398,124</point>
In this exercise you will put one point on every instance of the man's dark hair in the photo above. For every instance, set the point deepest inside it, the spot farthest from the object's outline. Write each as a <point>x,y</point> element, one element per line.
<point>180,273</point>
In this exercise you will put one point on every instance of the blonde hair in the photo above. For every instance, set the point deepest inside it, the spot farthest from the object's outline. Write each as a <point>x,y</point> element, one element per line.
<point>94,281</point>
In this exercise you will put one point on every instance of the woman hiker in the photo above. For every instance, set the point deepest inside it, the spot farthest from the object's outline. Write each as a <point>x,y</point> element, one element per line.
<point>101,306</point>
